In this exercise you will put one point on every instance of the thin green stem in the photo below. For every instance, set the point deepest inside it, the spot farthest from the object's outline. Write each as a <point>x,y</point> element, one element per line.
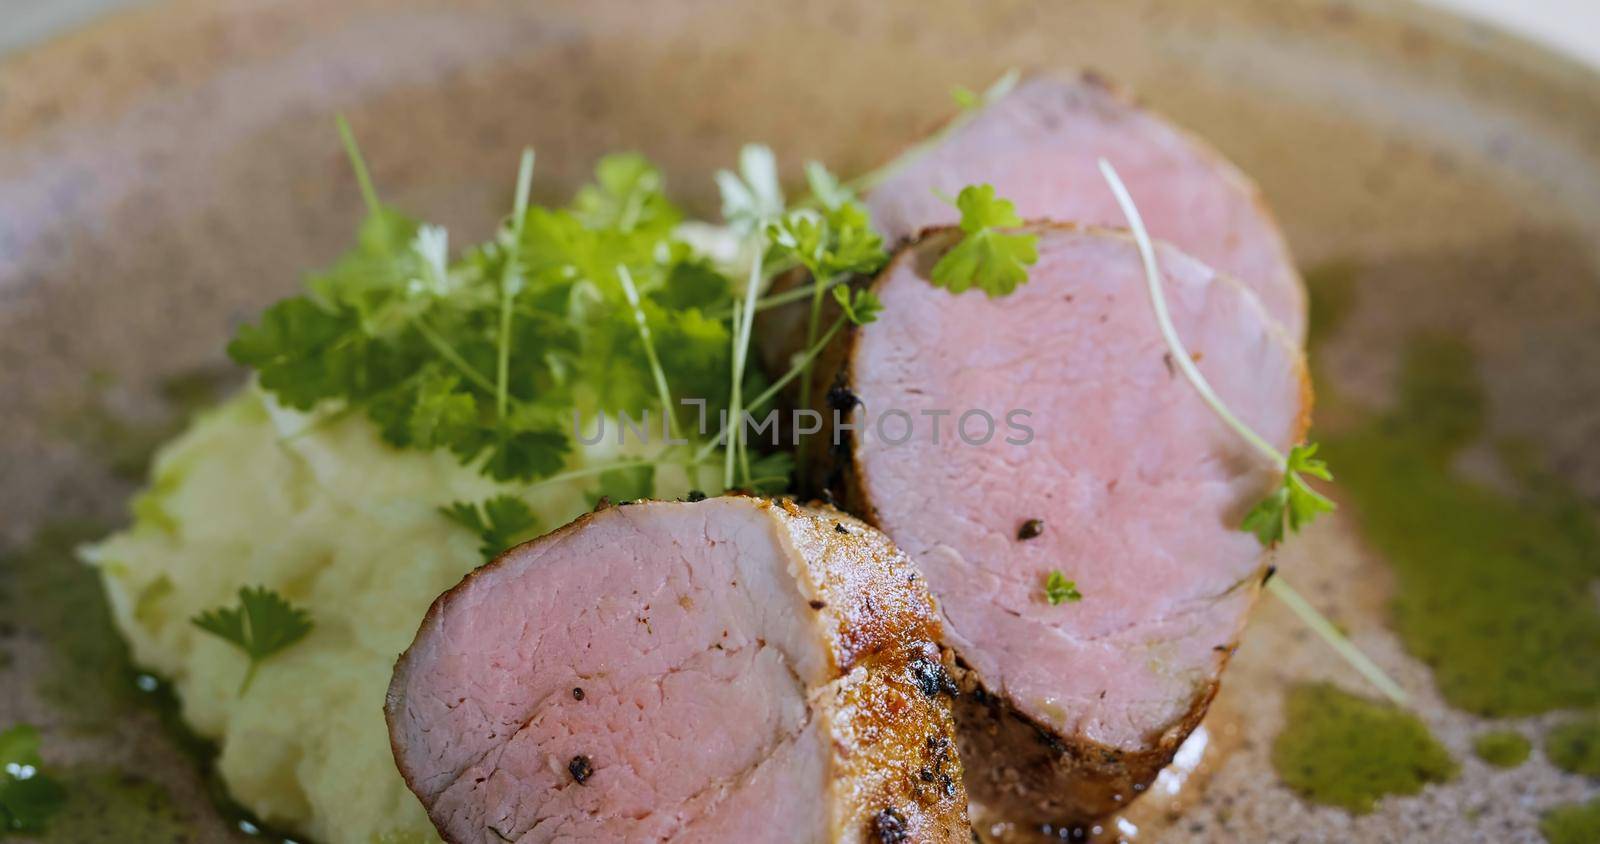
<point>510,280</point>
<point>734,408</point>
<point>812,324</point>
<point>1180,355</point>
<point>744,318</point>
<point>1330,634</point>
<point>592,471</point>
<point>771,391</point>
<point>449,353</point>
<point>793,294</point>
<point>249,677</point>
<point>656,372</point>
<point>359,165</point>
<point>1277,586</point>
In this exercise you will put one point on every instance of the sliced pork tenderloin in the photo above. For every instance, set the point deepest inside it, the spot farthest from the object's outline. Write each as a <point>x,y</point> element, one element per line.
<point>1039,146</point>
<point>733,669</point>
<point>1128,485</point>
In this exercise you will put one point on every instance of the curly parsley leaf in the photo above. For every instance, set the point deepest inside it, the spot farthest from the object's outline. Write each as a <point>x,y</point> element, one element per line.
<point>626,195</point>
<point>1293,504</point>
<point>1058,589</point>
<point>517,451</point>
<point>770,473</point>
<point>992,260</point>
<point>27,796</point>
<point>860,307</point>
<point>291,349</point>
<point>830,243</point>
<point>500,522</point>
<point>263,624</point>
<point>442,412</point>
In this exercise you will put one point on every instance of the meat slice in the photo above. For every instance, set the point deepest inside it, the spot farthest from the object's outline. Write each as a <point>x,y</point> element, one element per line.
<point>728,670</point>
<point>1138,489</point>
<point>1039,145</point>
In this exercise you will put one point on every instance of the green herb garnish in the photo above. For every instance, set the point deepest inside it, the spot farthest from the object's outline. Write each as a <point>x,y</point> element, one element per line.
<point>27,796</point>
<point>1293,500</point>
<point>488,356</point>
<point>860,307</point>
<point>499,522</point>
<point>1058,589</point>
<point>832,243</point>
<point>262,625</point>
<point>987,257</point>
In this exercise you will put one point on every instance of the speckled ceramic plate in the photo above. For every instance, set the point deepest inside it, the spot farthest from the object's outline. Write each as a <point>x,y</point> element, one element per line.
<point>167,172</point>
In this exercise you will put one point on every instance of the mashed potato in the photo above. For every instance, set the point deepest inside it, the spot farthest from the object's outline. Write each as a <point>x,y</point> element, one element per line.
<point>325,513</point>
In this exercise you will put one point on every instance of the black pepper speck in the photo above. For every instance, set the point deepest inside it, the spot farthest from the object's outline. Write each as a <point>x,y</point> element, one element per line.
<point>580,768</point>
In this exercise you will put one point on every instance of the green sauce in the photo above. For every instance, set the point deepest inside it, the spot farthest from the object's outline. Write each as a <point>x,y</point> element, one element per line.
<point>1347,751</point>
<point>1494,588</point>
<point>1575,747</point>
<point>1502,748</point>
<point>92,682</point>
<point>89,677</point>
<point>111,806</point>
<point>1578,823</point>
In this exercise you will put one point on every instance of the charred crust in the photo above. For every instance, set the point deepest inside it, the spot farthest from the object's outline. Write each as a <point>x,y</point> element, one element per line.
<point>889,827</point>
<point>1037,777</point>
<point>1030,529</point>
<point>931,678</point>
<point>840,397</point>
<point>581,769</point>
<point>695,495</point>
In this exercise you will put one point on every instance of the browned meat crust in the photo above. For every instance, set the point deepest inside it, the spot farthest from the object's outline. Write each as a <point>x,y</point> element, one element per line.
<point>888,709</point>
<point>1017,770</point>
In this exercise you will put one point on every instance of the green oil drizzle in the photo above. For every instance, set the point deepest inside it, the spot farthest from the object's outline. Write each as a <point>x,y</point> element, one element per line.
<point>1575,747</point>
<point>1577,823</point>
<point>1494,588</point>
<point>48,591</point>
<point>112,806</point>
<point>1341,750</point>
<point>1502,748</point>
<point>91,681</point>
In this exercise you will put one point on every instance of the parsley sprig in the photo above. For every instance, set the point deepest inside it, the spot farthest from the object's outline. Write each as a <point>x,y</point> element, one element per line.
<point>832,243</point>
<point>1058,589</point>
<point>987,257</point>
<point>597,307</point>
<point>262,625</point>
<point>1292,502</point>
<point>28,797</point>
<point>500,522</point>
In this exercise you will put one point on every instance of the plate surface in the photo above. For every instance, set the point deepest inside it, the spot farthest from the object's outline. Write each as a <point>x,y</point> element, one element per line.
<point>168,172</point>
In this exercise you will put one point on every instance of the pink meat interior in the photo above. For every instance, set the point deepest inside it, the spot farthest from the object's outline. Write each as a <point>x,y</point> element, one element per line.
<point>1040,145</point>
<point>684,628</point>
<point>1140,488</point>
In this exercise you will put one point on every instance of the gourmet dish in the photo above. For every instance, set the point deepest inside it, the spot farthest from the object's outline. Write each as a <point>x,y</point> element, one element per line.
<point>927,504</point>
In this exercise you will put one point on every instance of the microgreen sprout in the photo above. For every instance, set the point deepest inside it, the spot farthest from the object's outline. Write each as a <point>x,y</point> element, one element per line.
<point>1292,501</point>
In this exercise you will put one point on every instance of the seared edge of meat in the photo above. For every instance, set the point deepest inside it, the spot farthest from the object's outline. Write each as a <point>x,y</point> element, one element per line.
<point>887,711</point>
<point>1018,769</point>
